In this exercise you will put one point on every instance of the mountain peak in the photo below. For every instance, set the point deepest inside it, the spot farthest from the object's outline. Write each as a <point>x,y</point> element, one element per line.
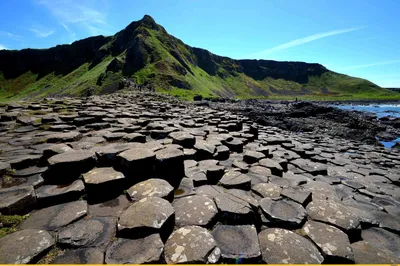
<point>148,21</point>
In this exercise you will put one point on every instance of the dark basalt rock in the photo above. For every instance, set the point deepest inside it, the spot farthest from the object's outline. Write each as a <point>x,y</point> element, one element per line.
<point>56,217</point>
<point>333,243</point>
<point>102,184</point>
<point>191,244</point>
<point>17,200</point>
<point>135,251</point>
<point>80,256</point>
<point>147,216</point>
<point>151,188</point>
<point>277,247</point>
<point>50,195</point>
<point>34,245</point>
<point>68,166</point>
<point>238,241</point>
<point>195,210</point>
<point>283,213</point>
<point>91,232</point>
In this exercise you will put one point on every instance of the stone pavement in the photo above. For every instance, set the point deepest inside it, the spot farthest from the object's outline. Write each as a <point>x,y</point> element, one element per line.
<point>145,178</point>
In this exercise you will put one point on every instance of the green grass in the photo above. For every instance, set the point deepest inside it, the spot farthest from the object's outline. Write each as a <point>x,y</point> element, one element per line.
<point>10,223</point>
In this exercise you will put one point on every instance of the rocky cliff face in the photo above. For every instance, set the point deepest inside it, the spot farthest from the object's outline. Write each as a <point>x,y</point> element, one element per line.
<point>146,53</point>
<point>61,59</point>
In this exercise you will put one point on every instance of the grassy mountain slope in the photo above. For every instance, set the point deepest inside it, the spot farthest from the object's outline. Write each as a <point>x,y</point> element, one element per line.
<point>146,54</point>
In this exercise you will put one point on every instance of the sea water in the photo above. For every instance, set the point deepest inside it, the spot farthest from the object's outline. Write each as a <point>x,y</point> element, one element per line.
<point>380,111</point>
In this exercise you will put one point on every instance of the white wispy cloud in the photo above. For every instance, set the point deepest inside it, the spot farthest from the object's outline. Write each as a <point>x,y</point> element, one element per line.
<point>371,65</point>
<point>87,14</point>
<point>2,47</point>
<point>11,35</point>
<point>41,32</point>
<point>303,40</point>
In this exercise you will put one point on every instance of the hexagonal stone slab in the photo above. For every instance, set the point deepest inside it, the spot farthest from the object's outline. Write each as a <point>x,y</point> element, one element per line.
<point>387,221</point>
<point>56,149</point>
<point>25,246</point>
<point>64,137</point>
<point>80,256</point>
<point>367,253</point>
<point>237,242</point>
<point>184,139</point>
<point>382,239</point>
<point>113,207</point>
<point>333,213</point>
<point>235,179</point>
<point>147,216</point>
<point>251,157</point>
<point>275,167</point>
<point>135,137</point>
<point>310,167</point>
<point>56,217</point>
<point>321,190</point>
<point>194,210</point>
<point>102,184</point>
<point>169,165</point>
<point>234,210</point>
<point>137,162</point>
<point>33,170</point>
<point>135,251</point>
<point>333,242</point>
<point>267,190</point>
<point>107,154</point>
<point>285,213</point>
<point>17,200</point>
<point>50,195</point>
<point>153,187</point>
<point>297,194</point>
<point>91,232</point>
<point>191,244</point>
<point>281,246</point>
<point>68,166</point>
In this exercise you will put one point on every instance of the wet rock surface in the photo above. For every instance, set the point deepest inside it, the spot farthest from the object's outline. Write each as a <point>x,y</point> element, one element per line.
<point>146,178</point>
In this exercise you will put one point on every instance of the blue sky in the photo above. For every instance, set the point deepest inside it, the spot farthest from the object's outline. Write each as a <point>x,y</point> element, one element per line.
<point>356,37</point>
